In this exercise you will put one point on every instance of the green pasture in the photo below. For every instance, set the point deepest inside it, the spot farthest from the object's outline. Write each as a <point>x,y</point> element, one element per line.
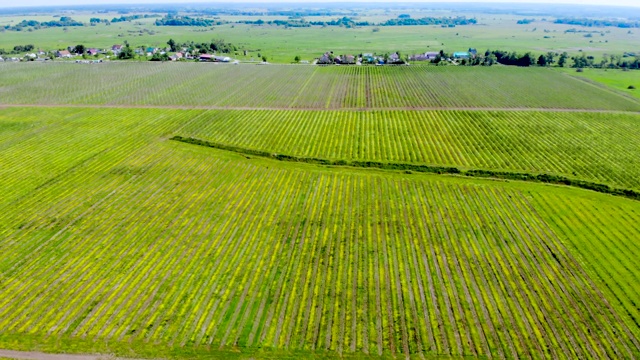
<point>618,80</point>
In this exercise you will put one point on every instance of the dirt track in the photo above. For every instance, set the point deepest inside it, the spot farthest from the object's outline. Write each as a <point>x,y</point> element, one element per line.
<point>44,356</point>
<point>35,355</point>
<point>178,107</point>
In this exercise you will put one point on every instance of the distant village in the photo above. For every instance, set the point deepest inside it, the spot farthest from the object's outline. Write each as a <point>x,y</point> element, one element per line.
<point>95,55</point>
<point>219,52</point>
<point>395,58</point>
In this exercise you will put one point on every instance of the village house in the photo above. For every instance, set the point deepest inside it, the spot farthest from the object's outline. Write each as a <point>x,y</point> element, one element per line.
<point>461,55</point>
<point>221,58</point>
<point>63,54</point>
<point>395,59</point>
<point>175,57</point>
<point>93,52</point>
<point>428,56</point>
<point>368,57</point>
<point>206,57</point>
<point>325,59</point>
<point>116,49</point>
<point>348,59</point>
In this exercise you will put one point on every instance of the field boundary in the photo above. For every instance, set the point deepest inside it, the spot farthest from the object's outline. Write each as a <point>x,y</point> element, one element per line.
<point>407,167</point>
<point>36,355</point>
<point>352,109</point>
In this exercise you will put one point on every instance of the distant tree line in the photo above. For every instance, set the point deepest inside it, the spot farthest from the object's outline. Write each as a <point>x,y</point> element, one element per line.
<point>626,61</point>
<point>525,21</point>
<point>66,21</point>
<point>442,21</point>
<point>132,17</point>
<point>598,23</point>
<point>172,20</point>
<point>95,21</point>
<point>348,22</point>
<point>512,58</point>
<point>18,49</point>
<point>286,23</point>
<point>33,24</point>
<point>216,45</point>
<point>289,13</point>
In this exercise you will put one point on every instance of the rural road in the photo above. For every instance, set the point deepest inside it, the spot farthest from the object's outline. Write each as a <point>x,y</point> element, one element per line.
<point>35,355</point>
<point>196,107</point>
<point>44,356</point>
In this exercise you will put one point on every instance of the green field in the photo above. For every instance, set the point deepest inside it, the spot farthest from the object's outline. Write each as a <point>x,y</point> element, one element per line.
<point>615,79</point>
<point>598,147</point>
<point>306,87</point>
<point>117,240</point>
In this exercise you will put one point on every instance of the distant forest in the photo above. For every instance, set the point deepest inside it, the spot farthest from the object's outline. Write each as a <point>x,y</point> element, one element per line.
<point>598,23</point>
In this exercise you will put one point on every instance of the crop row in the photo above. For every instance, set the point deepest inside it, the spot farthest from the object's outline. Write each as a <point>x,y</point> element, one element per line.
<point>301,87</point>
<point>601,148</point>
<point>221,252</point>
<point>608,250</point>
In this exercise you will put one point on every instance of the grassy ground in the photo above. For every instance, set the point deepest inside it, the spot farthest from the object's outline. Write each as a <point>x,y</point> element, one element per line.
<point>615,79</point>
<point>116,240</point>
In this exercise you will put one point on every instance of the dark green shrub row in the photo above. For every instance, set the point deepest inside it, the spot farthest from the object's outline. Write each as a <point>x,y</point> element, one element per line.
<point>554,179</point>
<point>542,178</point>
<point>309,160</point>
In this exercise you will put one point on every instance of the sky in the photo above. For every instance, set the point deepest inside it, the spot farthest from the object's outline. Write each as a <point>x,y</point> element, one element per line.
<point>13,3</point>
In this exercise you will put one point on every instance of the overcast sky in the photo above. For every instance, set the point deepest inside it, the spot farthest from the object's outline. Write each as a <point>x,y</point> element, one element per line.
<point>13,3</point>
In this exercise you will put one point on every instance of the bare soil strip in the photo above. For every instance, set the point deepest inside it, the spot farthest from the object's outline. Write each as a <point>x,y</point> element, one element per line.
<point>34,355</point>
<point>443,108</point>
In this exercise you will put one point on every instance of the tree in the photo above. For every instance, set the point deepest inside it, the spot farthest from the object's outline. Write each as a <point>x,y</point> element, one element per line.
<point>79,49</point>
<point>490,59</point>
<point>296,59</point>
<point>542,60</point>
<point>525,60</point>
<point>160,57</point>
<point>264,58</point>
<point>126,53</point>
<point>172,45</point>
<point>563,59</point>
<point>550,58</point>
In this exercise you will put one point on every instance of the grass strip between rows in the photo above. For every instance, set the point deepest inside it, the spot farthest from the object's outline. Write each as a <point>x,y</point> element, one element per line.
<point>541,178</point>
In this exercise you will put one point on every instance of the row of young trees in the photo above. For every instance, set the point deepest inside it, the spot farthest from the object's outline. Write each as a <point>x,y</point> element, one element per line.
<point>18,49</point>
<point>549,59</point>
<point>216,45</point>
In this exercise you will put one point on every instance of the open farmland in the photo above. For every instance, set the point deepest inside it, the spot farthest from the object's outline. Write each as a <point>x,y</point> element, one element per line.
<point>483,205</point>
<point>598,147</point>
<point>116,239</point>
<point>300,87</point>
